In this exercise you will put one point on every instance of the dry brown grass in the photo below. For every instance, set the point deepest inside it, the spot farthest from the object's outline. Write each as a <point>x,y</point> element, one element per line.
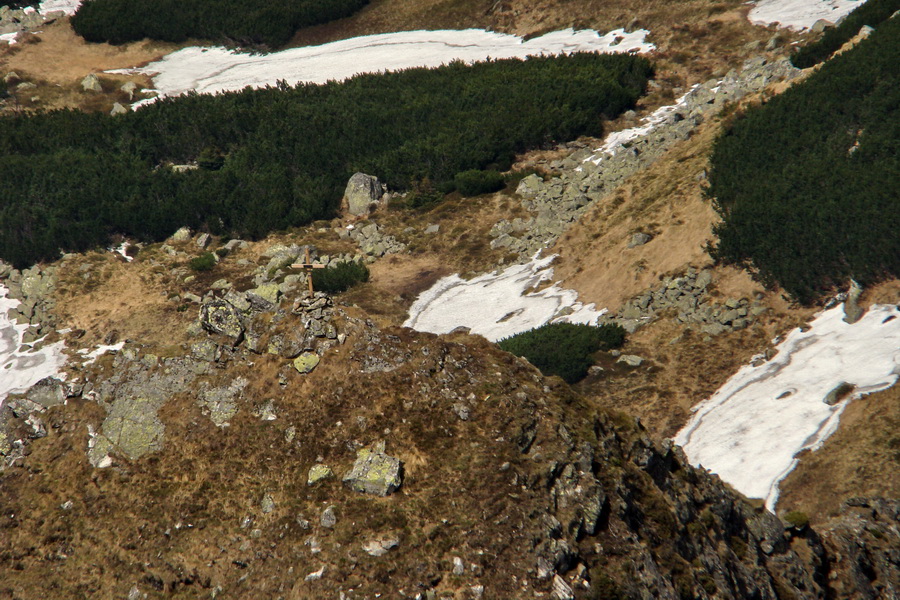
<point>61,59</point>
<point>861,459</point>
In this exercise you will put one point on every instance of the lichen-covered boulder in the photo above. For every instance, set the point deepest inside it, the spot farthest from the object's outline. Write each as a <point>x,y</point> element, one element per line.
<point>318,473</point>
<point>306,362</point>
<point>218,316</point>
<point>374,472</point>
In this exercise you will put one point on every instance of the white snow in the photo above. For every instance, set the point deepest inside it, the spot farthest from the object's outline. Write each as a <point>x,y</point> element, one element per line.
<point>92,356</point>
<point>498,305</point>
<point>122,249</point>
<point>9,37</point>
<point>800,14</point>
<point>19,370</point>
<point>67,6</point>
<point>749,431</point>
<point>616,140</point>
<point>216,69</point>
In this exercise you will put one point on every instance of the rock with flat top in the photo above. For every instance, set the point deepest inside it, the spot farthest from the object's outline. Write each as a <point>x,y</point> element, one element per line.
<point>374,472</point>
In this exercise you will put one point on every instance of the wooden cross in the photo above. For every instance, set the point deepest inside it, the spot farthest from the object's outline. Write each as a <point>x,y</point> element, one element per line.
<point>307,267</point>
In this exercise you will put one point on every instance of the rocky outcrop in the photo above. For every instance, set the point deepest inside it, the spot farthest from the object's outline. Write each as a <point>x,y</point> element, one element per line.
<point>863,549</point>
<point>688,295</point>
<point>24,19</point>
<point>33,288</point>
<point>589,175</point>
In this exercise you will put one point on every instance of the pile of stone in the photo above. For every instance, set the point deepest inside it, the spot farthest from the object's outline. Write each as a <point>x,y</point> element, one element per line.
<point>688,295</point>
<point>33,288</point>
<point>250,319</point>
<point>278,269</point>
<point>22,19</point>
<point>371,241</point>
<point>588,176</point>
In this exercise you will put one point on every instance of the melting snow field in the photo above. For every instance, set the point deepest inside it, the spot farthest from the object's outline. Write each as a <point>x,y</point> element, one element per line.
<point>498,305</point>
<point>214,69</point>
<point>21,370</point>
<point>751,429</point>
<point>800,14</point>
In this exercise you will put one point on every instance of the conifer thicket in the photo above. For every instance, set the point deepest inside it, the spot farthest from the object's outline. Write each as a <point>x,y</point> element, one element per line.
<point>808,184</point>
<point>871,13</point>
<point>271,23</point>
<point>281,156</point>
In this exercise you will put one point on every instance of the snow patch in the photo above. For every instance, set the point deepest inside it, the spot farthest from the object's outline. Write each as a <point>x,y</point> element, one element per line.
<point>22,367</point>
<point>498,305</point>
<point>749,431</point>
<point>92,356</point>
<point>216,69</point>
<point>800,14</point>
<point>67,6</point>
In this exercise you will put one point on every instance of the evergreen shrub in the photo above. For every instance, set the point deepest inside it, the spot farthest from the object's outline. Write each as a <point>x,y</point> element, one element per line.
<point>564,349</point>
<point>808,184</point>
<point>72,179</point>
<point>474,182</point>
<point>340,277</point>
<point>870,13</point>
<point>270,23</point>
<point>204,262</point>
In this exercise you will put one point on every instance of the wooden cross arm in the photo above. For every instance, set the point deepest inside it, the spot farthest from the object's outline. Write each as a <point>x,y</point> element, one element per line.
<point>307,266</point>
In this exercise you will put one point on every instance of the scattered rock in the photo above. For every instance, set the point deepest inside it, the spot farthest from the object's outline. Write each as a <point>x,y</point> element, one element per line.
<point>431,229</point>
<point>638,239</point>
<point>181,236</point>
<point>129,87</point>
<point>118,109</point>
<point>91,84</point>
<point>380,547</point>
<point>375,473</point>
<point>268,504</point>
<point>458,566</point>
<point>328,519</point>
<point>631,360</point>
<point>853,312</point>
<point>306,362</point>
<point>318,473</point>
<point>838,393</point>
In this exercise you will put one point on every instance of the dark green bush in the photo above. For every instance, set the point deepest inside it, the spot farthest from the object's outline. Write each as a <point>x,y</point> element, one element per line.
<point>340,277</point>
<point>870,13</point>
<point>271,23</point>
<point>71,179</point>
<point>564,349</point>
<point>475,182</point>
<point>204,262</point>
<point>808,184</point>
<point>797,519</point>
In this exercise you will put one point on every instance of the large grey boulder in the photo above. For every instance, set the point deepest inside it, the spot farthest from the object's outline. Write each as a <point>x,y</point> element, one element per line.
<point>362,192</point>
<point>47,392</point>
<point>374,472</point>
<point>91,84</point>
